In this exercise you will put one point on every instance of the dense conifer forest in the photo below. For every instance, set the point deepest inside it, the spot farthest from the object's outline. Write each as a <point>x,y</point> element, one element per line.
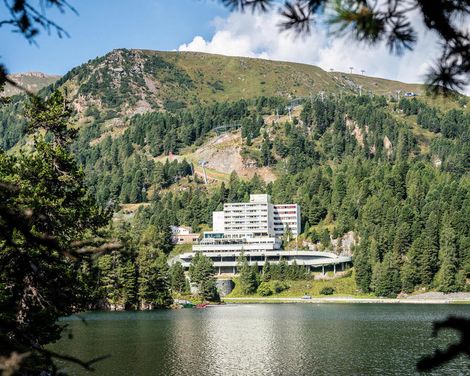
<point>352,163</point>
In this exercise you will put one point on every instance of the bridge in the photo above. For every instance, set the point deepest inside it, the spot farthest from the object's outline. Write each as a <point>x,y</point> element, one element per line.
<point>226,261</point>
<point>226,127</point>
<point>291,104</point>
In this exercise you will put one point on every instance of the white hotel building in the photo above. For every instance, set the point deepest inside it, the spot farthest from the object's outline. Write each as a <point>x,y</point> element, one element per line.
<point>256,228</point>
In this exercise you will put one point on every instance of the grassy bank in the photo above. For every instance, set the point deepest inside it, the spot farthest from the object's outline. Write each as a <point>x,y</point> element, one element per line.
<point>342,286</point>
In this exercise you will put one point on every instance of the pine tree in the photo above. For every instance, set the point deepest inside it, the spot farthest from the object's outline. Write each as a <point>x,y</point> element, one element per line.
<point>401,241</point>
<point>154,284</point>
<point>266,272</point>
<point>178,280</point>
<point>430,255</point>
<point>447,275</point>
<point>339,191</point>
<point>128,281</point>
<point>266,150</point>
<point>410,270</point>
<point>137,186</point>
<point>157,236</point>
<point>159,176</point>
<point>109,280</point>
<point>362,267</point>
<point>247,276</point>
<point>295,271</point>
<point>388,281</point>
<point>283,265</point>
<point>201,273</point>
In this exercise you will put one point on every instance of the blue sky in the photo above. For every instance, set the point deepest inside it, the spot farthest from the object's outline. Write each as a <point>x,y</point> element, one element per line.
<point>103,25</point>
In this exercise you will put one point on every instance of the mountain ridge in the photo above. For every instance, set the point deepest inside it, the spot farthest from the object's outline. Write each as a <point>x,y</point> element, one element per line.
<point>127,82</point>
<point>31,81</point>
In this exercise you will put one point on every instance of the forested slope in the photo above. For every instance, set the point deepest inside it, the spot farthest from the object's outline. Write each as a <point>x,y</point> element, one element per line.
<point>107,91</point>
<point>396,173</point>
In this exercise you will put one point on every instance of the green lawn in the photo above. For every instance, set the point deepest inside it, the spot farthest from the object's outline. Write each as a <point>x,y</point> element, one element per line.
<point>179,249</point>
<point>343,286</point>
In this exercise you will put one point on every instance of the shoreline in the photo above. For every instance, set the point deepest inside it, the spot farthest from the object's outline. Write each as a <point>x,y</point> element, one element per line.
<point>346,300</point>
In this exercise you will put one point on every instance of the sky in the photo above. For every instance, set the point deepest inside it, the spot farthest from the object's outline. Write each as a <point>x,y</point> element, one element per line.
<point>201,25</point>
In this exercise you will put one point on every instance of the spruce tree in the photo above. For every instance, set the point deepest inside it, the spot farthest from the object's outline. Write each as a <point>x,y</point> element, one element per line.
<point>266,272</point>
<point>411,268</point>
<point>283,265</point>
<point>266,150</point>
<point>447,275</point>
<point>154,283</point>
<point>362,267</point>
<point>202,274</point>
<point>128,282</point>
<point>247,276</point>
<point>430,255</point>
<point>178,280</point>
<point>388,281</point>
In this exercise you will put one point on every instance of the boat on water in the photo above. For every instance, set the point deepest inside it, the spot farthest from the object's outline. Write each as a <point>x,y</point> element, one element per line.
<point>184,303</point>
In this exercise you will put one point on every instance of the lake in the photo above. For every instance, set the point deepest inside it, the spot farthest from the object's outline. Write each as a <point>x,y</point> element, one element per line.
<point>264,339</point>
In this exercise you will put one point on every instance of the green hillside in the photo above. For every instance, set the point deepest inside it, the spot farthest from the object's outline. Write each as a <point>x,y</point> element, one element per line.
<point>109,90</point>
<point>126,82</point>
<point>393,172</point>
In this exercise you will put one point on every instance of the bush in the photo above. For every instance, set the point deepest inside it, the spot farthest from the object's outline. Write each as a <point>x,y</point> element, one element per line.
<point>279,286</point>
<point>327,291</point>
<point>272,287</point>
<point>264,289</point>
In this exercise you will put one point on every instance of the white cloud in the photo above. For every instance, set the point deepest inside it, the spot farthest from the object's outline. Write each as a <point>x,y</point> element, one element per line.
<point>258,35</point>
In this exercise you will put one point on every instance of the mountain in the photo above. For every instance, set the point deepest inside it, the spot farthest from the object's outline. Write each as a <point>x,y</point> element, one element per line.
<point>127,82</point>
<point>31,81</point>
<point>109,93</point>
<point>358,155</point>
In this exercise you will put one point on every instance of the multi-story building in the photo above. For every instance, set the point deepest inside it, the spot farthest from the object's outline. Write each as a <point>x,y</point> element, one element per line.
<point>256,228</point>
<point>257,218</point>
<point>286,217</point>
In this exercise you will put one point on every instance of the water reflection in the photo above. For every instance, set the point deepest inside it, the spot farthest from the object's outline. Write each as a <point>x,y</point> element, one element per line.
<point>264,340</point>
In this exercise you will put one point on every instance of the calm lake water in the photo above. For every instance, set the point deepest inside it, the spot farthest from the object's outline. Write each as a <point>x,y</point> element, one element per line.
<point>269,339</point>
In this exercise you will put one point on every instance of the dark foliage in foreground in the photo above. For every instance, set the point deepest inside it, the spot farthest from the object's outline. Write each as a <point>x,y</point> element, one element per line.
<point>47,221</point>
<point>440,357</point>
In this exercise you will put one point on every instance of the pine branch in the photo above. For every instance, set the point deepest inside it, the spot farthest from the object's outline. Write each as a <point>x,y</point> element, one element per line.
<point>439,357</point>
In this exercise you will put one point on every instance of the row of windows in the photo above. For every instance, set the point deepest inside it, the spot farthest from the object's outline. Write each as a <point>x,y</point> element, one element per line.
<point>246,216</point>
<point>231,228</point>
<point>241,215</point>
<point>244,206</point>
<point>241,222</point>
